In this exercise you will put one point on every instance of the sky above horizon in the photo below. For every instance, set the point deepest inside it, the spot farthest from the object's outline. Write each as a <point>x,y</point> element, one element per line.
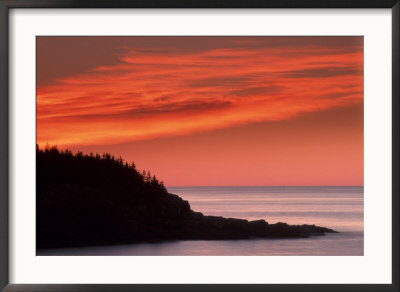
<point>209,110</point>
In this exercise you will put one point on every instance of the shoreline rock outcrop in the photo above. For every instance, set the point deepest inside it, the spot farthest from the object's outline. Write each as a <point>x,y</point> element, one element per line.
<point>87,200</point>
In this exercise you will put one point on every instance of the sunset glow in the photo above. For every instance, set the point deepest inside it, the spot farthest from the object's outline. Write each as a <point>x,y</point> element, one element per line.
<point>209,110</point>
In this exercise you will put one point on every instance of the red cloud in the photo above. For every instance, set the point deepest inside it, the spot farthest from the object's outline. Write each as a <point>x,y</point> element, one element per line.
<point>154,93</point>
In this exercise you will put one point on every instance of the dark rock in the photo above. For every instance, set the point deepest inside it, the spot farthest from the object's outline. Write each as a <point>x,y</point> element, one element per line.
<point>86,201</point>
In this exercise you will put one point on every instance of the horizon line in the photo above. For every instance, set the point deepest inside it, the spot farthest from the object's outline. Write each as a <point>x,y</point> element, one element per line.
<point>175,186</point>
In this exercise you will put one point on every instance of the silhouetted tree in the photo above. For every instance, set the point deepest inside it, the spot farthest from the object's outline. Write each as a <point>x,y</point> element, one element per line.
<point>102,171</point>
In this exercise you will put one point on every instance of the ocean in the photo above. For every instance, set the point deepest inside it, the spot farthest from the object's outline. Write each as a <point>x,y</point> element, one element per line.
<point>337,207</point>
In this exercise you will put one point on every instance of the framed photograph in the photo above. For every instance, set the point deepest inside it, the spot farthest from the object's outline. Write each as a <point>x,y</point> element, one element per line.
<point>210,146</point>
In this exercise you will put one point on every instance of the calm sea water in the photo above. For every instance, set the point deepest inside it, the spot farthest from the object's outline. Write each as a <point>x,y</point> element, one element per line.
<point>339,208</point>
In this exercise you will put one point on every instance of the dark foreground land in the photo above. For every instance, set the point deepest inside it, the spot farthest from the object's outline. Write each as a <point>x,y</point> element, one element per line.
<point>91,200</point>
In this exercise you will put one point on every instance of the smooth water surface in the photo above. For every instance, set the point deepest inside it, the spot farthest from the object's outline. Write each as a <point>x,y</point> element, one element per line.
<point>339,208</point>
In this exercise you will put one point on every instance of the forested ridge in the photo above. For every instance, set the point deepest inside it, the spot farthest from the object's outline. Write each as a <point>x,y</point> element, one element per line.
<point>100,200</point>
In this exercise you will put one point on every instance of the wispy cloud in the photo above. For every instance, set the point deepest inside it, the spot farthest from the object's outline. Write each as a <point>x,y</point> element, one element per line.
<point>152,93</point>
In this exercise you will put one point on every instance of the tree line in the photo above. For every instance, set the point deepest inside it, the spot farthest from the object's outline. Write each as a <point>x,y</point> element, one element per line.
<point>104,171</point>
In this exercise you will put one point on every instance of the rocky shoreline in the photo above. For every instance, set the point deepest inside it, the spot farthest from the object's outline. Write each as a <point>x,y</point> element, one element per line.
<point>89,201</point>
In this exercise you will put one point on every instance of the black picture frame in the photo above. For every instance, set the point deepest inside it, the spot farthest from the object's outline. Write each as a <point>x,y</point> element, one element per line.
<point>6,5</point>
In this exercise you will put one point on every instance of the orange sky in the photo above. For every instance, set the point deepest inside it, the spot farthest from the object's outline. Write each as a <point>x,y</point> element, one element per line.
<point>209,110</point>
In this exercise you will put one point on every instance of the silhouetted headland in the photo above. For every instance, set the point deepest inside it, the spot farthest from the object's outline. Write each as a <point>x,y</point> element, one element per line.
<point>88,200</point>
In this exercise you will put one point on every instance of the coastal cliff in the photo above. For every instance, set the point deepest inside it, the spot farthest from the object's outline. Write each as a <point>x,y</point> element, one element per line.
<point>88,200</point>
